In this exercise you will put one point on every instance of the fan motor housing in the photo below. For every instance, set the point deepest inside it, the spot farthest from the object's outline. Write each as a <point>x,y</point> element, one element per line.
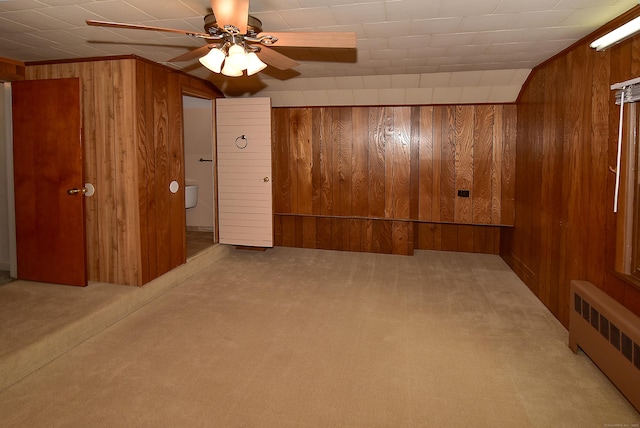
<point>254,25</point>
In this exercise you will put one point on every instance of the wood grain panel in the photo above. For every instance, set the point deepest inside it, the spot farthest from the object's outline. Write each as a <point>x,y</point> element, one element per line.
<point>178,215</point>
<point>551,194</point>
<point>146,171</point>
<point>355,234</point>
<point>88,101</point>
<point>482,176</point>
<point>326,162</point>
<point>302,153</point>
<point>360,162</point>
<point>573,241</point>
<point>467,238</point>
<point>316,171</point>
<point>337,238</point>
<point>309,232</point>
<point>598,176</point>
<point>449,236</point>
<point>376,163</point>
<point>414,163</point>
<point>497,154</point>
<point>367,235</point>
<point>106,194</point>
<point>464,131</point>
<point>448,165</point>
<point>401,154</point>
<point>438,135</point>
<point>388,132</point>
<point>426,165</point>
<point>161,174</point>
<point>299,146</point>
<point>344,133</point>
<point>402,238</point>
<point>323,232</point>
<point>126,210</point>
<point>508,166</point>
<point>281,119</point>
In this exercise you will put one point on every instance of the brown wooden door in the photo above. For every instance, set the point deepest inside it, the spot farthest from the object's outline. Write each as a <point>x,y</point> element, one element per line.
<point>48,166</point>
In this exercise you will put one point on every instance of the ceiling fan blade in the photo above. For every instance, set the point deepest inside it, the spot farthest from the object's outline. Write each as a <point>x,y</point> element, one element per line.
<point>194,53</point>
<point>276,59</point>
<point>231,12</point>
<point>314,40</point>
<point>143,27</point>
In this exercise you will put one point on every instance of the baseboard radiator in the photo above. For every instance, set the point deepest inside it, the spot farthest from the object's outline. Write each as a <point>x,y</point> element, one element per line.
<point>609,334</point>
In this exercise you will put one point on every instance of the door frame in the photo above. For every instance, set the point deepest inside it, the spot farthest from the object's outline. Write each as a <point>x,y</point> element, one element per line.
<point>11,207</point>
<point>197,93</point>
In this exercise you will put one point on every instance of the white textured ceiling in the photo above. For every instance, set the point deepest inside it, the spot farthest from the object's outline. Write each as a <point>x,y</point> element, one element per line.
<point>408,50</point>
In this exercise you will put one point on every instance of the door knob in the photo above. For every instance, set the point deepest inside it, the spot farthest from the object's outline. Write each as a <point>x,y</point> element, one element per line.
<point>75,191</point>
<point>266,179</point>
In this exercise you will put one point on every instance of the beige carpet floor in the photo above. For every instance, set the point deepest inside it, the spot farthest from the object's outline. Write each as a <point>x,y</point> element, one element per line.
<point>311,338</point>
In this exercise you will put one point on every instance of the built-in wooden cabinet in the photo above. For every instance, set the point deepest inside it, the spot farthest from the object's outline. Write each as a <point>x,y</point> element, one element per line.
<point>133,141</point>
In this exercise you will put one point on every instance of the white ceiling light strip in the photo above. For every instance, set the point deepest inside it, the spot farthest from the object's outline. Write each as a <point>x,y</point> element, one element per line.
<point>617,35</point>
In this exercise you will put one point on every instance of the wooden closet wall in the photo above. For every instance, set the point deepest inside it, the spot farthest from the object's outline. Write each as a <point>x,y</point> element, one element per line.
<point>386,179</point>
<point>132,119</point>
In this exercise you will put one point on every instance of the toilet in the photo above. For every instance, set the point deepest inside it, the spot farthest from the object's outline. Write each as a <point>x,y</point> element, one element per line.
<point>190,196</point>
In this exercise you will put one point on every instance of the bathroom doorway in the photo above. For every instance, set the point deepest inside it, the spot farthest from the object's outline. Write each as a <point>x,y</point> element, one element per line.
<point>199,171</point>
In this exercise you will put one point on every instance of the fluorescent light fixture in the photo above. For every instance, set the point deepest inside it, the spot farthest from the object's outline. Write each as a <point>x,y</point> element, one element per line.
<point>617,35</point>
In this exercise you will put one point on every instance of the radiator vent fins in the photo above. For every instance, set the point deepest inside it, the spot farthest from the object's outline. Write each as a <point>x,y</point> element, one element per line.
<point>618,339</point>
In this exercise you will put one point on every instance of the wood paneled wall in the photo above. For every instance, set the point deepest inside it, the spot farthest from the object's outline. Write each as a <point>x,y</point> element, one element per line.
<point>566,142</point>
<point>360,178</point>
<point>383,236</point>
<point>132,118</point>
<point>113,251</point>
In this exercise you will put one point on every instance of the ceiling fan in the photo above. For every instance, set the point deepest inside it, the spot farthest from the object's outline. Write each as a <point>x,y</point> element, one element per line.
<point>236,39</point>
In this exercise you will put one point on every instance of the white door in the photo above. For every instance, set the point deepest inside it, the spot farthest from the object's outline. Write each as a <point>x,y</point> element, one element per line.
<point>244,171</point>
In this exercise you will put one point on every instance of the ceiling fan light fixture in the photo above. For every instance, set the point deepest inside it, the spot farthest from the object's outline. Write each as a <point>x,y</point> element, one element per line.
<point>230,71</point>
<point>255,65</point>
<point>237,58</point>
<point>213,60</point>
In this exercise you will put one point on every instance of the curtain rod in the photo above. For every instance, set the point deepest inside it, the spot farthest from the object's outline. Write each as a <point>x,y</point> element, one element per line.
<point>625,83</point>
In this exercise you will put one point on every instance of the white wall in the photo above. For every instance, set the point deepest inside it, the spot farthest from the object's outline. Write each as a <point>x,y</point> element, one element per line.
<point>198,143</point>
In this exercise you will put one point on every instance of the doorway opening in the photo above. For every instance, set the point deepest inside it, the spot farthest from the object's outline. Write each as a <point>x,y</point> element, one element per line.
<point>199,170</point>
